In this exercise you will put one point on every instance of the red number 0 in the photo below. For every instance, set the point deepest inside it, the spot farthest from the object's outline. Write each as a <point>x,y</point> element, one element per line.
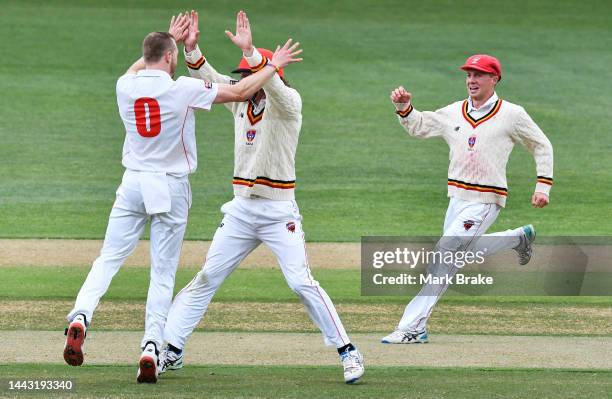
<point>141,117</point>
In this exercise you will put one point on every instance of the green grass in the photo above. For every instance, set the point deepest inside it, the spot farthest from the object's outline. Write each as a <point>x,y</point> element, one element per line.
<point>357,172</point>
<point>322,382</point>
<point>243,285</point>
<point>260,300</point>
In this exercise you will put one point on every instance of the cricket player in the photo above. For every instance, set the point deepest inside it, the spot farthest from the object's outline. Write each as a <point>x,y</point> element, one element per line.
<point>481,132</point>
<point>158,155</point>
<point>267,127</point>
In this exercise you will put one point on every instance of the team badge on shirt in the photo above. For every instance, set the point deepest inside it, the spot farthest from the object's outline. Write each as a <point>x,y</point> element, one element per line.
<point>471,142</point>
<point>467,224</point>
<point>250,136</point>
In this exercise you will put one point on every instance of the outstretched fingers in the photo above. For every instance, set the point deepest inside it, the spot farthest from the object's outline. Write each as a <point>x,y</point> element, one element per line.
<point>194,18</point>
<point>295,45</point>
<point>287,44</point>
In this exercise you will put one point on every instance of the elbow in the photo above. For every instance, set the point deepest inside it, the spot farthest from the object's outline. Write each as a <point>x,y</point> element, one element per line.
<point>242,95</point>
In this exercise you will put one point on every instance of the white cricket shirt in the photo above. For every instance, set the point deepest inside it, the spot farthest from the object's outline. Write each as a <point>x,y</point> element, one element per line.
<point>484,108</point>
<point>157,112</point>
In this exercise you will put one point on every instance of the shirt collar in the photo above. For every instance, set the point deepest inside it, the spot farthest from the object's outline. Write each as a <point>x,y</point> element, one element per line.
<point>486,106</point>
<point>153,72</point>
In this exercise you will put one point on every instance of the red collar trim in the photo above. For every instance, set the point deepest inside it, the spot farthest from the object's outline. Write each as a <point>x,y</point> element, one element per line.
<point>476,122</point>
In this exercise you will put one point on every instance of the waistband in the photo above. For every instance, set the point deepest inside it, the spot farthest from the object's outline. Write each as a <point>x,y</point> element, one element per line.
<point>170,177</point>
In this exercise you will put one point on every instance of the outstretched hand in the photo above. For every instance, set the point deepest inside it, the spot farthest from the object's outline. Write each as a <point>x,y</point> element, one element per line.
<point>178,27</point>
<point>285,55</point>
<point>243,38</point>
<point>401,98</point>
<point>193,32</point>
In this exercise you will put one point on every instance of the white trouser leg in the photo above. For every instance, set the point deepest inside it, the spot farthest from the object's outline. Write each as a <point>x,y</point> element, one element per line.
<point>500,241</point>
<point>286,239</point>
<point>125,226</point>
<point>232,242</point>
<point>167,232</point>
<point>465,222</point>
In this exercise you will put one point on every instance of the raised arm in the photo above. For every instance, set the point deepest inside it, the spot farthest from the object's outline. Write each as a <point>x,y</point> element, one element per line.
<point>287,99</point>
<point>178,29</point>
<point>418,124</point>
<point>136,66</point>
<point>197,64</point>
<point>248,86</point>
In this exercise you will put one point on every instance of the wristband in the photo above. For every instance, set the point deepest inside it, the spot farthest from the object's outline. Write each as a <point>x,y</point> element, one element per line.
<point>277,69</point>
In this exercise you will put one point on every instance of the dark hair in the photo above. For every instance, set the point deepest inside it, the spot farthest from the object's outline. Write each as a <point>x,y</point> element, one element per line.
<point>155,45</point>
<point>285,81</point>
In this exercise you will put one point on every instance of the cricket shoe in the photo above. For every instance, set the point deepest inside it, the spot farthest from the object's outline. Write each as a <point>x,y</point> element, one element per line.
<point>406,337</point>
<point>170,360</point>
<point>524,249</point>
<point>75,338</point>
<point>352,361</point>
<point>147,367</point>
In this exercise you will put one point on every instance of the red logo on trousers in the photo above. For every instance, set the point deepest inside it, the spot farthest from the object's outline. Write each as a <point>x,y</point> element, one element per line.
<point>468,224</point>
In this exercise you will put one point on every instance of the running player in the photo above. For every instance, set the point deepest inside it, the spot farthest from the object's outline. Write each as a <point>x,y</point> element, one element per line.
<point>481,132</point>
<point>267,127</point>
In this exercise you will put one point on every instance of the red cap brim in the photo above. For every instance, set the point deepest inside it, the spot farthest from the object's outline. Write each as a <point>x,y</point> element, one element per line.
<point>479,68</point>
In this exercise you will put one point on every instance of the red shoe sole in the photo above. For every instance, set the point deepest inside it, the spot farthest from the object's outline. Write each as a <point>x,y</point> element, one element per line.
<point>148,370</point>
<point>73,352</point>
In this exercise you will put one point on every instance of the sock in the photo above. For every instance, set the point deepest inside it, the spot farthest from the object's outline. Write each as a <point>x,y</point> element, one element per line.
<point>348,347</point>
<point>154,346</point>
<point>174,349</point>
<point>81,315</point>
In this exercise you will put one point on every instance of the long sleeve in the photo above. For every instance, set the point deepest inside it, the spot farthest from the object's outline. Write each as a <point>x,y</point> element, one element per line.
<point>200,68</point>
<point>424,124</point>
<point>528,133</point>
<point>287,100</point>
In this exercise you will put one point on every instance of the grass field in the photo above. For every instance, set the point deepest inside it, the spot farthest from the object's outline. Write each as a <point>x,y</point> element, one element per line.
<point>358,175</point>
<point>319,382</point>
<point>357,172</point>
<point>241,305</point>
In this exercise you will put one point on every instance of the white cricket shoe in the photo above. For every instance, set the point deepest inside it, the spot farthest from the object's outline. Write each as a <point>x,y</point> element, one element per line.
<point>524,249</point>
<point>405,337</point>
<point>170,360</point>
<point>75,338</point>
<point>352,361</point>
<point>147,366</point>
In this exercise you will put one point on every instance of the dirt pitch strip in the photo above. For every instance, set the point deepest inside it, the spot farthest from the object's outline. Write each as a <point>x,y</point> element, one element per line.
<point>106,347</point>
<point>41,252</point>
<point>326,255</point>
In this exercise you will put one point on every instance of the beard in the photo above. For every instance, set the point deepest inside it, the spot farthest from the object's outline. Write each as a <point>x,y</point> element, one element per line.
<point>172,69</point>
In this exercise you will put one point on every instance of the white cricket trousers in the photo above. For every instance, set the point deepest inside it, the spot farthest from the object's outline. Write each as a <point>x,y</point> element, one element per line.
<point>125,227</point>
<point>247,222</point>
<point>465,222</point>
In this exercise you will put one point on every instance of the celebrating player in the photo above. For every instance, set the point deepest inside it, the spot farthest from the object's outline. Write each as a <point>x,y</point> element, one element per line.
<point>481,132</point>
<point>158,154</point>
<point>267,127</point>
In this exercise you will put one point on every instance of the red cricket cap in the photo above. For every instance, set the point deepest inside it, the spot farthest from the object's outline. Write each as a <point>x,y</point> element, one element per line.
<point>244,66</point>
<point>484,63</point>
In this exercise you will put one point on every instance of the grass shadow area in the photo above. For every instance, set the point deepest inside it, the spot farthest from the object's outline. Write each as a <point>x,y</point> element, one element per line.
<point>316,382</point>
